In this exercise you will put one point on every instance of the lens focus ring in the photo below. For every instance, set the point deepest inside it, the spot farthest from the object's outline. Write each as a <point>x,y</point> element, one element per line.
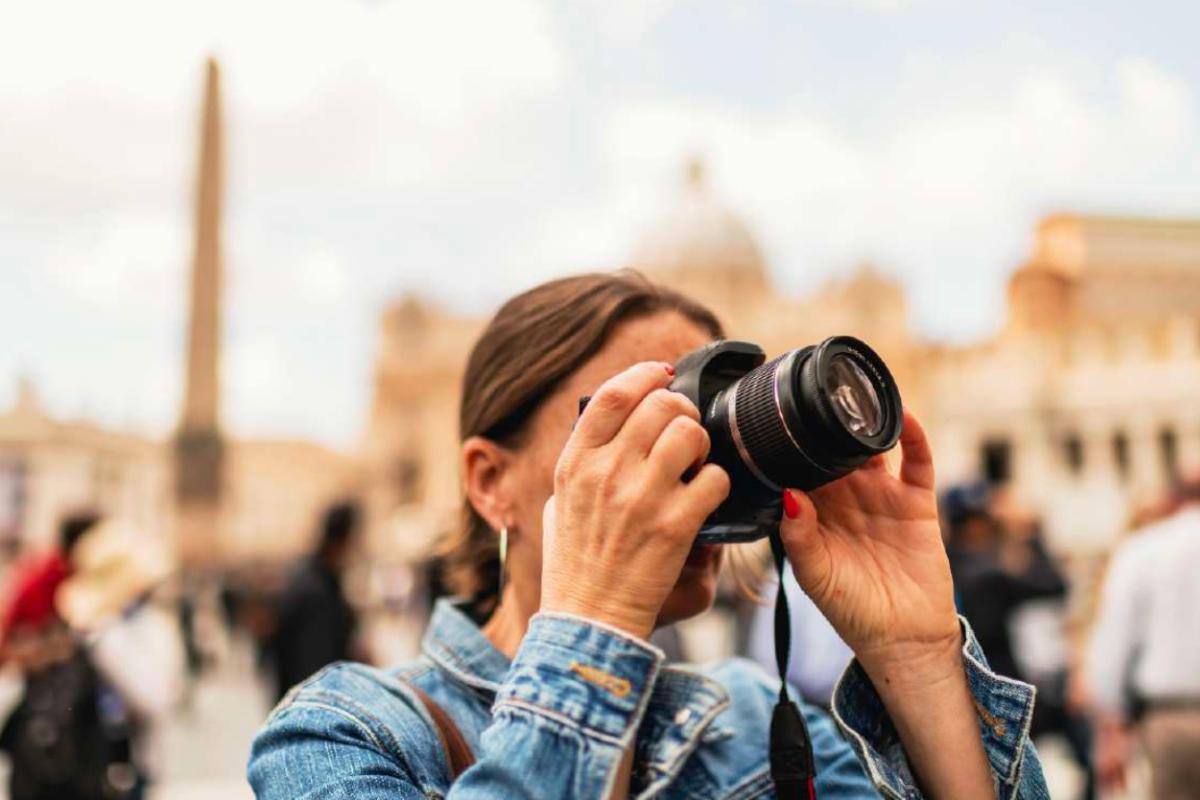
<point>761,429</point>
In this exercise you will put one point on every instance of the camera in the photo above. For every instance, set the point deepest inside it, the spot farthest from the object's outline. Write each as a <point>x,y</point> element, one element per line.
<point>801,420</point>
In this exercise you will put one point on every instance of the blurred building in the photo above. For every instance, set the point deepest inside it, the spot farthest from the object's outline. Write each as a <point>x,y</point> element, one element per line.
<point>1085,403</point>
<point>49,466</point>
<point>274,490</point>
<point>409,455</point>
<point>1088,400</point>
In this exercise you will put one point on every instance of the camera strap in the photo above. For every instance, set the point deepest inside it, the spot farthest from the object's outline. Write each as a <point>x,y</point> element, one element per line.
<point>792,766</point>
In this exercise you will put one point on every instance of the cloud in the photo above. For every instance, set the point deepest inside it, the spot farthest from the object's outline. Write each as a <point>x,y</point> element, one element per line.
<point>628,21</point>
<point>116,262</point>
<point>869,5</point>
<point>361,89</point>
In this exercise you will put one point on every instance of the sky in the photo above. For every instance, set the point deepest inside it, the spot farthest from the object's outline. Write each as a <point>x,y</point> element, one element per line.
<point>465,150</point>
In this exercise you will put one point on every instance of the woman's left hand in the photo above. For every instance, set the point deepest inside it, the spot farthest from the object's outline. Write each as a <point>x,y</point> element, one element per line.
<point>868,550</point>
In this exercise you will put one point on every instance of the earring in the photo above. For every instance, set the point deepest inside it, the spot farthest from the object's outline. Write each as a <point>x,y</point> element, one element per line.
<point>503,560</point>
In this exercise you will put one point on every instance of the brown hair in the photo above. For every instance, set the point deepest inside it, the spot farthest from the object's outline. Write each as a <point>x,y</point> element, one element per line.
<point>534,342</point>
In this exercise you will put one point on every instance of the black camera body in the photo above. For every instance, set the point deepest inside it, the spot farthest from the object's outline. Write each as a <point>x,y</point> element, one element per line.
<point>752,508</point>
<point>807,417</point>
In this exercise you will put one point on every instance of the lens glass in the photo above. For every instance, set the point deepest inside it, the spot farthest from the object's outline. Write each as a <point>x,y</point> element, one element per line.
<point>854,398</point>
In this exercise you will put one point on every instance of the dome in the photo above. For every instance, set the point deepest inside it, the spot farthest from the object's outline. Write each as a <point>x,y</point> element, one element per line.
<point>700,240</point>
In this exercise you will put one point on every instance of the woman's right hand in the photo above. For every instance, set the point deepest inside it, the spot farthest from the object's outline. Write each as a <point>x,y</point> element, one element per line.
<point>618,529</point>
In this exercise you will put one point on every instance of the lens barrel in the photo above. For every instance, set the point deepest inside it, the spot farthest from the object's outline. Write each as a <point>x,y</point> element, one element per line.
<point>808,417</point>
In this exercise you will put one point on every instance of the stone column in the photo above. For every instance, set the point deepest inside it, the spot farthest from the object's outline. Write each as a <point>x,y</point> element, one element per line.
<point>199,448</point>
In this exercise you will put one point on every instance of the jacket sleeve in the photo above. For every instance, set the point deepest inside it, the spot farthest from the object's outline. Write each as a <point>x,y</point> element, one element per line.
<point>566,713</point>
<point>1005,709</point>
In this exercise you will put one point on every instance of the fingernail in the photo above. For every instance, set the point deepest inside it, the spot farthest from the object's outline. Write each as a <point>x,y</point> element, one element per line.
<point>791,506</point>
<point>670,369</point>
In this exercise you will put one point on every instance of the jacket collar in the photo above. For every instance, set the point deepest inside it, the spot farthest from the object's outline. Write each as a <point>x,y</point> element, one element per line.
<point>456,644</point>
<point>682,705</point>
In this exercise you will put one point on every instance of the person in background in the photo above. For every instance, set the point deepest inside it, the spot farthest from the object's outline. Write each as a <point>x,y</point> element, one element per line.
<point>185,608</point>
<point>1143,662</point>
<point>71,735</point>
<point>1046,642</point>
<point>114,607</point>
<point>1013,593</point>
<point>30,611</point>
<point>1115,738</point>
<point>315,623</point>
<point>993,575</point>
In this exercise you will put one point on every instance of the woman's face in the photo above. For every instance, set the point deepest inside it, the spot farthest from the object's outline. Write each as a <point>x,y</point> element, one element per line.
<point>664,336</point>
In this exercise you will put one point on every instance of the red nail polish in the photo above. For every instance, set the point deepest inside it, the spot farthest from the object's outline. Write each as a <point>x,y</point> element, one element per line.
<point>670,369</point>
<point>791,506</point>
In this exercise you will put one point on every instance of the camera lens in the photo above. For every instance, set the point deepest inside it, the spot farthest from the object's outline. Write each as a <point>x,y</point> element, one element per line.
<point>807,417</point>
<point>854,398</point>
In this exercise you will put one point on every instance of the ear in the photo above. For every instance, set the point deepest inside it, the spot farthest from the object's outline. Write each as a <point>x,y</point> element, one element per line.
<point>485,466</point>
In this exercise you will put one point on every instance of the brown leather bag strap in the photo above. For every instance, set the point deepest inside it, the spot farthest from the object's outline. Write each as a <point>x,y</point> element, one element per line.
<point>458,752</point>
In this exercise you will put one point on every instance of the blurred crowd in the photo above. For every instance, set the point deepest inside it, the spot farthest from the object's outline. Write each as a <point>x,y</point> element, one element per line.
<point>106,638</point>
<point>101,663</point>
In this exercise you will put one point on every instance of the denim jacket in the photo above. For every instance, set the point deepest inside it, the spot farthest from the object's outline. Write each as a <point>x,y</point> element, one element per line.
<point>556,721</point>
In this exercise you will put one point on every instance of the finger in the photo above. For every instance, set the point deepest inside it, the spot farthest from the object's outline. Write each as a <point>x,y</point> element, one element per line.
<point>802,541</point>
<point>875,462</point>
<point>707,489</point>
<point>683,444</point>
<point>916,466</point>
<point>615,400</point>
<point>646,425</point>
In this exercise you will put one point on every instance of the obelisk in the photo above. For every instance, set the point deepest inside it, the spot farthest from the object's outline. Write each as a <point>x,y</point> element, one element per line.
<point>199,448</point>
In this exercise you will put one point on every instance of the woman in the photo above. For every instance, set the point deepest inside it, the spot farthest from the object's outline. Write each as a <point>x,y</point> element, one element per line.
<point>552,682</point>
